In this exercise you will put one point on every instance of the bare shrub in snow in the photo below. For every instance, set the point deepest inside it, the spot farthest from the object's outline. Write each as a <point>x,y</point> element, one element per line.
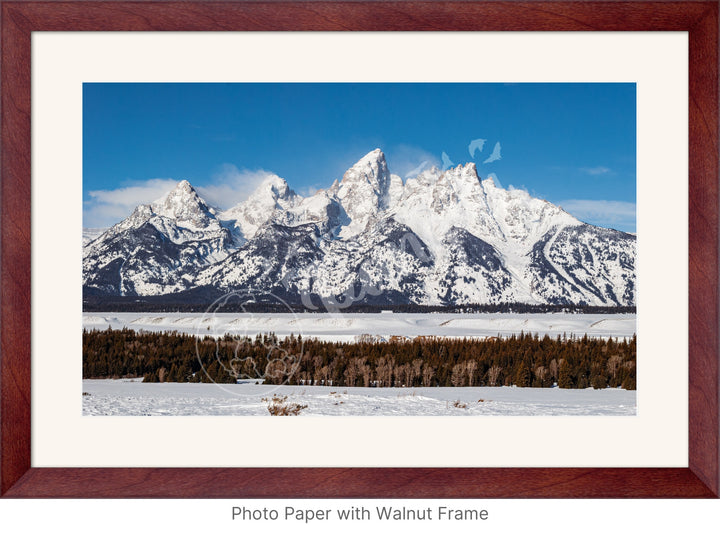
<point>279,406</point>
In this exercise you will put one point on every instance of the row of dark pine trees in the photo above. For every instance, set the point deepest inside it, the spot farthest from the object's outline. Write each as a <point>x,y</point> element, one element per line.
<point>522,360</point>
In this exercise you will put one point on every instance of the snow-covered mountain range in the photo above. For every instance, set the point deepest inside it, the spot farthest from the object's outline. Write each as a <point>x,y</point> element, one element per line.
<point>443,237</point>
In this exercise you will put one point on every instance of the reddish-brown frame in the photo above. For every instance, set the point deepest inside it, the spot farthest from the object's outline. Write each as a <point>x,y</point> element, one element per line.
<point>19,479</point>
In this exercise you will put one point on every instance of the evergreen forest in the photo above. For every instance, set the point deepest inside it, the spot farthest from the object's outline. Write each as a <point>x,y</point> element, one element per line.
<point>523,360</point>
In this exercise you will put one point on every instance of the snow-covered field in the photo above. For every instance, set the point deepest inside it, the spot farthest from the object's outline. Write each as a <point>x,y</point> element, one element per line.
<point>346,327</point>
<point>129,397</point>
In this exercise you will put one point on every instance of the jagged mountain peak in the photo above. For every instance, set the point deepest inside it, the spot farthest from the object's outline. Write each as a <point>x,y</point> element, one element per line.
<point>426,177</point>
<point>274,187</point>
<point>374,157</point>
<point>371,168</point>
<point>489,182</point>
<point>469,168</point>
<point>272,193</point>
<point>183,190</point>
<point>364,192</point>
<point>184,185</point>
<point>463,172</point>
<point>182,194</point>
<point>461,178</point>
<point>184,208</point>
<point>271,200</point>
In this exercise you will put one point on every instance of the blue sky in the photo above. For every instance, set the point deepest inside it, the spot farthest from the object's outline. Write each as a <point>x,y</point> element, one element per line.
<point>571,144</point>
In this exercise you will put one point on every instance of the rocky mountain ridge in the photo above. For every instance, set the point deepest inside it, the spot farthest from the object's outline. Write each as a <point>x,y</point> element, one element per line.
<point>441,238</point>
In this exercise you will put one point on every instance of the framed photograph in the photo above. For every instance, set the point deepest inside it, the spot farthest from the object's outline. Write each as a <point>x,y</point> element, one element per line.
<point>492,160</point>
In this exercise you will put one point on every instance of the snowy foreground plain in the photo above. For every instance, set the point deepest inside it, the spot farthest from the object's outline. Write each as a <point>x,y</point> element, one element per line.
<point>128,397</point>
<point>346,327</point>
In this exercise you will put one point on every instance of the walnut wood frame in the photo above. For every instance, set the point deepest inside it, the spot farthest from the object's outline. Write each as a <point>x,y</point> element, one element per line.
<point>19,479</point>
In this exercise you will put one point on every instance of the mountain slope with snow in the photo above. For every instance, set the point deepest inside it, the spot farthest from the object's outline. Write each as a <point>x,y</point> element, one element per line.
<point>158,248</point>
<point>444,237</point>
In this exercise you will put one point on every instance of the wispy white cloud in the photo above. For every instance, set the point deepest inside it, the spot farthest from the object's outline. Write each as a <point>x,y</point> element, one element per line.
<point>619,215</point>
<point>109,206</point>
<point>231,186</point>
<point>419,169</point>
<point>228,187</point>
<point>144,192</point>
<point>599,170</point>
<point>309,191</point>
<point>518,188</point>
<point>409,161</point>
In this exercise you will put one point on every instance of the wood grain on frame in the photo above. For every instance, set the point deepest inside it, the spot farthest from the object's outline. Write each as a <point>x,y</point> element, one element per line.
<point>18,479</point>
